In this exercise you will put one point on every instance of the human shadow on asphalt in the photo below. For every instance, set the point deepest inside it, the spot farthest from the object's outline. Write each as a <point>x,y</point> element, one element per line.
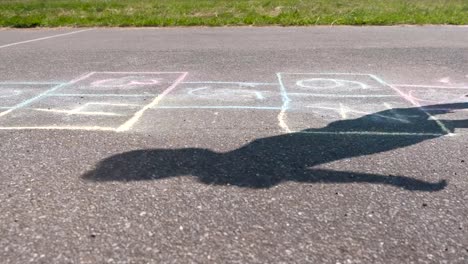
<point>268,161</point>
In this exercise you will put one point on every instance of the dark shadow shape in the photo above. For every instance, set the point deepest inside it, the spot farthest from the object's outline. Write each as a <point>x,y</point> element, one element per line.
<point>268,161</point>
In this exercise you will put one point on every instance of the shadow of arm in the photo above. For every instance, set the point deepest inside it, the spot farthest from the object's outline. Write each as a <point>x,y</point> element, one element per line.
<point>407,183</point>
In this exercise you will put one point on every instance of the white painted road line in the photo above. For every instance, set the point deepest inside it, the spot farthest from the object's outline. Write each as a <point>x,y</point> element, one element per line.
<point>44,38</point>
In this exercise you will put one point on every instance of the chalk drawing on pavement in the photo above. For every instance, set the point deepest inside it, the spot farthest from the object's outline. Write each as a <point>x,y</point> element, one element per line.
<point>116,110</point>
<point>117,101</point>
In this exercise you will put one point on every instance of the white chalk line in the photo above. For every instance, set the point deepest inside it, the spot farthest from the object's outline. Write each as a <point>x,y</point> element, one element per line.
<point>343,110</point>
<point>252,84</point>
<point>80,110</point>
<point>127,125</point>
<point>76,112</point>
<point>431,86</point>
<point>409,99</point>
<point>44,38</point>
<point>227,107</point>
<point>344,95</point>
<point>104,95</point>
<point>30,83</point>
<point>86,128</point>
<point>324,73</point>
<point>31,100</point>
<point>398,115</point>
<point>285,106</point>
<point>191,92</point>
<point>112,72</point>
<point>113,104</point>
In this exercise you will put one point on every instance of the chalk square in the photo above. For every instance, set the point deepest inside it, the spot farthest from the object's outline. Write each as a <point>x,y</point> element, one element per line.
<point>55,111</point>
<point>435,95</point>
<point>333,84</point>
<point>207,120</point>
<point>14,94</point>
<point>371,117</point>
<point>448,104</point>
<point>232,95</point>
<point>351,103</point>
<point>123,83</point>
<point>333,109</point>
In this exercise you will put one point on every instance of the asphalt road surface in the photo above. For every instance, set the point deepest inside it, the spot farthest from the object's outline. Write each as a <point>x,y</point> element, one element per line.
<point>236,145</point>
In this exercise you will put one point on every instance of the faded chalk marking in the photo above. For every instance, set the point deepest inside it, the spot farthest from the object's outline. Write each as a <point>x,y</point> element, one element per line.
<point>127,125</point>
<point>251,84</point>
<point>225,93</point>
<point>332,83</point>
<point>321,83</point>
<point>343,111</point>
<point>430,86</point>
<point>191,91</point>
<point>220,107</point>
<point>445,80</point>
<point>86,128</point>
<point>31,100</point>
<point>345,95</point>
<point>125,82</point>
<point>44,38</point>
<point>410,93</point>
<point>11,93</point>
<point>104,95</point>
<point>285,98</point>
<point>444,109</point>
<point>80,110</point>
<point>414,102</point>
<point>113,104</point>
<point>324,73</point>
<point>30,83</point>
<point>259,95</point>
<point>111,72</point>
<point>76,112</point>
<point>395,113</point>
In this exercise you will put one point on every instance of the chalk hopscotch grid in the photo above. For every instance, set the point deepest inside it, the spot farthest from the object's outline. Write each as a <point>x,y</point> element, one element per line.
<point>282,116</point>
<point>123,127</point>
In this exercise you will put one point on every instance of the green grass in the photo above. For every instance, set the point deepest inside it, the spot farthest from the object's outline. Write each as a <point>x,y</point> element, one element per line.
<point>53,13</point>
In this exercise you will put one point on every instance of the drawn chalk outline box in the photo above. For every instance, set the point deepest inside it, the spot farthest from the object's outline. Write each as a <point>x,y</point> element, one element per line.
<point>20,116</point>
<point>224,95</point>
<point>304,91</point>
<point>12,94</point>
